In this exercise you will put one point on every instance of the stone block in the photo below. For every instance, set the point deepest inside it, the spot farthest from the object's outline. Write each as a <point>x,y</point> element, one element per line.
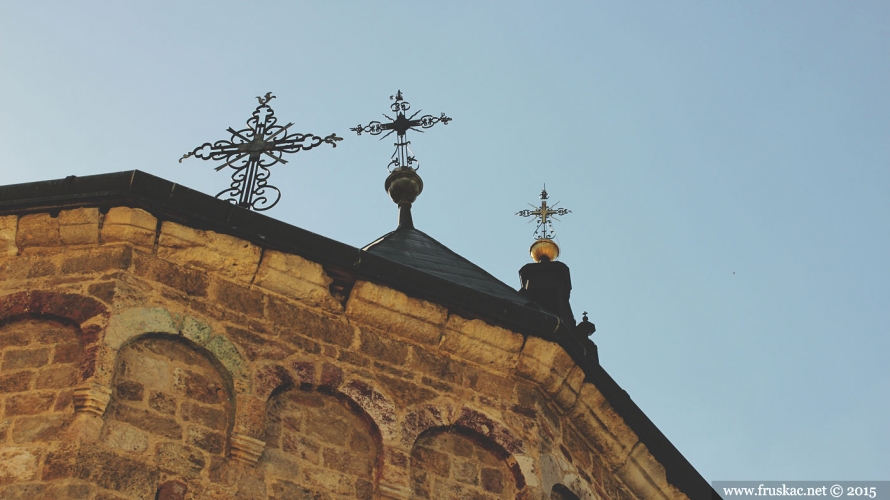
<point>600,425</point>
<point>645,476</point>
<point>17,465</point>
<point>393,300</point>
<point>208,417</point>
<point>132,225</point>
<point>57,377</point>
<point>290,317</point>
<point>479,330</point>
<point>481,343</point>
<point>37,230</point>
<point>96,260</point>
<point>124,437</point>
<point>395,322</point>
<point>19,381</point>
<point>25,358</point>
<point>189,280</point>
<point>567,394</point>
<point>237,297</point>
<point>8,226</point>
<point>79,226</point>
<point>148,421</point>
<point>29,404</point>
<point>40,428</point>
<point>125,476</point>
<point>230,256</point>
<point>545,363</point>
<point>180,459</point>
<point>296,278</point>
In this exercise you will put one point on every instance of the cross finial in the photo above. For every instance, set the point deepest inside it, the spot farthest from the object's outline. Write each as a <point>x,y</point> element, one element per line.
<point>543,215</point>
<point>403,157</point>
<point>251,151</point>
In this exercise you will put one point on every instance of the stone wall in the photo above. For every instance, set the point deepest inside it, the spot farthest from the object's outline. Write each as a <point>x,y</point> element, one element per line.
<point>143,358</point>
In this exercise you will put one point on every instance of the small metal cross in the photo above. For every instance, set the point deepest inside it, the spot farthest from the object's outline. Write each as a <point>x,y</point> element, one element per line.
<point>403,156</point>
<point>543,215</point>
<point>251,151</point>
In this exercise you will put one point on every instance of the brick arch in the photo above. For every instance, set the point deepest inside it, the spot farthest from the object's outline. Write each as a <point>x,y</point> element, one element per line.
<point>172,403</point>
<point>316,430</point>
<point>562,492</point>
<point>89,316</point>
<point>563,478</point>
<point>487,431</point>
<point>270,378</point>
<point>427,416</point>
<point>456,461</point>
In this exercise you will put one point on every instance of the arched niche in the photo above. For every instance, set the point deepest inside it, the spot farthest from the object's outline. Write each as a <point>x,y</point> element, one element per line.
<point>171,405</point>
<point>40,364</point>
<point>319,444</point>
<point>561,492</point>
<point>457,462</point>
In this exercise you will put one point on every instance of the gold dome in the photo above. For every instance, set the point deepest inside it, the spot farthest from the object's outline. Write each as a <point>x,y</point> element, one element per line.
<point>544,250</point>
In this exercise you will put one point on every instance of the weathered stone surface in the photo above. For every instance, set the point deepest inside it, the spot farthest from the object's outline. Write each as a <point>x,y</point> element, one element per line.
<point>129,477</point>
<point>8,227</point>
<point>179,459</point>
<point>29,404</point>
<point>24,358</point>
<point>238,297</point>
<point>294,319</point>
<point>545,363</point>
<point>399,302</point>
<point>148,421</point>
<point>16,381</point>
<point>125,437</point>
<point>96,260</point>
<point>37,230</point>
<point>296,278</point>
<point>130,323</point>
<point>132,225</point>
<point>40,428</point>
<point>373,305</point>
<point>477,341</point>
<point>79,226</point>
<point>222,253</point>
<point>17,464</point>
<point>189,280</point>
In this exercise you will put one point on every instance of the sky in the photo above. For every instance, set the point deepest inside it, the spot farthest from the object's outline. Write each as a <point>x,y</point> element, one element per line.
<point>725,164</point>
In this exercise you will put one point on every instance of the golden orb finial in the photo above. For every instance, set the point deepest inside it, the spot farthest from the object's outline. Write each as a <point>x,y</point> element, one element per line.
<point>544,250</point>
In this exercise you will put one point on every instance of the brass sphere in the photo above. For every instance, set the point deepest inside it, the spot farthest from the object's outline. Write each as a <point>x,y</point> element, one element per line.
<point>403,185</point>
<point>544,250</point>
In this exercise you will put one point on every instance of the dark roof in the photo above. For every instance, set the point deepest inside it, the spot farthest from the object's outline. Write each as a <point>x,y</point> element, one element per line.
<point>501,306</point>
<point>416,249</point>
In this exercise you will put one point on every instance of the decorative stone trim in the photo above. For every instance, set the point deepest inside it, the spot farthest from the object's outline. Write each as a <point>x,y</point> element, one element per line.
<point>91,398</point>
<point>246,449</point>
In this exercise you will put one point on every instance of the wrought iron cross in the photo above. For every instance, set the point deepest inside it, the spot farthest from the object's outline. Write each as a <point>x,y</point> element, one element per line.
<point>403,156</point>
<point>251,151</point>
<point>543,215</point>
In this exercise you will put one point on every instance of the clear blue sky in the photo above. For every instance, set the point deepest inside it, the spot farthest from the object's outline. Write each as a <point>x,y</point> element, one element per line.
<point>726,165</point>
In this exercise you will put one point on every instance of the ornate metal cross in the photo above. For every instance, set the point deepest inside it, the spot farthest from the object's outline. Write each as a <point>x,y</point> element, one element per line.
<point>251,151</point>
<point>403,156</point>
<point>543,215</point>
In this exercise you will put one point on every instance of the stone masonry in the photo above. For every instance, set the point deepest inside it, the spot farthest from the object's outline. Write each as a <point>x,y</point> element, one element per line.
<point>143,359</point>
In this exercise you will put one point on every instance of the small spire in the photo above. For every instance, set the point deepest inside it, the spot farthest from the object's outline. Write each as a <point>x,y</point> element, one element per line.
<point>403,184</point>
<point>544,249</point>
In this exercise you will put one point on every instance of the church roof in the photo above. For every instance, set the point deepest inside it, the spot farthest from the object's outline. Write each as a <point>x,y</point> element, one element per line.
<point>407,260</point>
<point>414,248</point>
